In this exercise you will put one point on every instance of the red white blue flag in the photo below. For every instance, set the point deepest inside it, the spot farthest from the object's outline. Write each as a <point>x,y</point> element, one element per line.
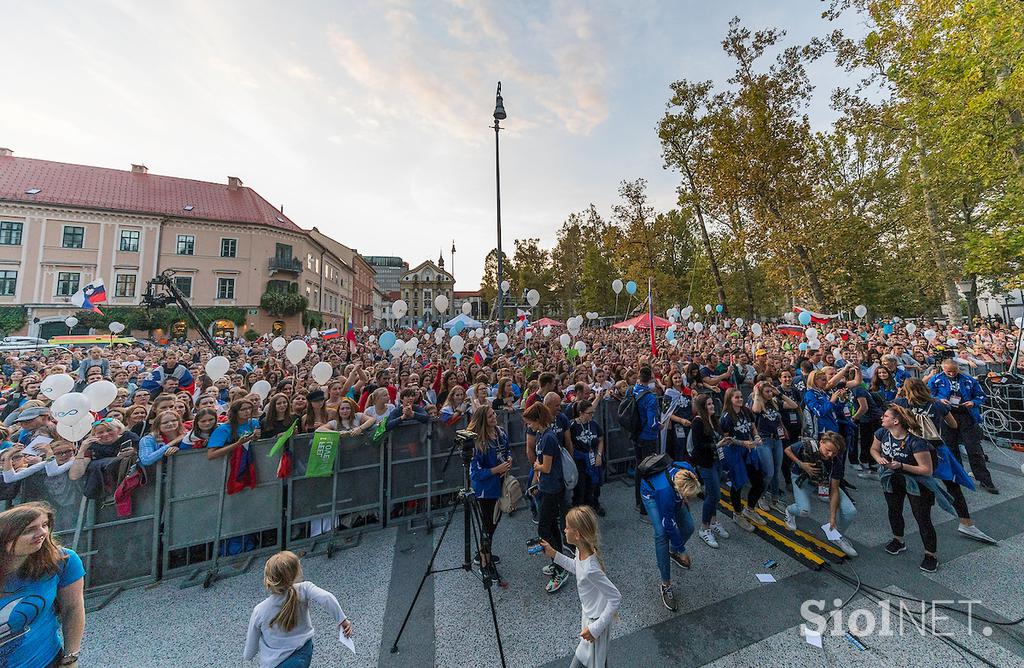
<point>88,297</point>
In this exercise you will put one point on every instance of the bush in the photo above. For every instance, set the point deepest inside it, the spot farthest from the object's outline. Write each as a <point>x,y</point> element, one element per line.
<point>282,304</point>
<point>251,335</point>
<point>12,318</point>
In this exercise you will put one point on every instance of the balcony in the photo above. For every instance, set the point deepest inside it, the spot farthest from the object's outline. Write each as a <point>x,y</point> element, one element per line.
<point>286,264</point>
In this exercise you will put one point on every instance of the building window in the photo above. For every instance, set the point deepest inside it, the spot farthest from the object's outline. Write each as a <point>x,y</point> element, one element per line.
<point>184,285</point>
<point>74,236</point>
<point>283,252</point>
<point>130,241</point>
<point>10,233</point>
<point>225,288</point>
<point>8,282</point>
<point>67,283</point>
<point>124,285</point>
<point>228,247</point>
<point>186,244</point>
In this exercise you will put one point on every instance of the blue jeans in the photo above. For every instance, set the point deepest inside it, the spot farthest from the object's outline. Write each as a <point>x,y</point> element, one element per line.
<point>771,456</point>
<point>802,505</point>
<point>300,658</point>
<point>712,478</point>
<point>684,521</point>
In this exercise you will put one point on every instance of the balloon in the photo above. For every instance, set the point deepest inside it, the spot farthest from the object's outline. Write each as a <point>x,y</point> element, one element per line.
<point>686,313</point>
<point>631,329</point>
<point>581,348</point>
<point>56,385</point>
<point>565,339</point>
<point>411,345</point>
<point>322,372</point>
<point>314,333</point>
<point>811,333</point>
<point>71,321</point>
<point>467,308</point>
<point>951,342</point>
<point>673,327</point>
<point>670,335</point>
<point>296,351</point>
<point>116,327</point>
<point>547,331</point>
<point>366,328</point>
<point>713,328</point>
<point>398,349</point>
<point>861,310</point>
<point>387,339</point>
<point>911,328</point>
<point>719,308</point>
<point>756,329</point>
<point>217,367</point>
<point>399,308</point>
<point>803,346</point>
<point>502,340</point>
<point>830,337</point>
<point>707,308</point>
<point>814,345</point>
<point>804,318</point>
<point>631,288</point>
<point>262,388</point>
<point>887,329</point>
<point>72,407</point>
<point>532,297</point>
<point>278,344</point>
<point>100,394</point>
<point>505,285</point>
<point>896,318</point>
<point>739,322</point>
<point>458,327</point>
<point>929,334</point>
<point>528,335</point>
<point>617,286</point>
<point>441,303</point>
<point>457,343</point>
<point>75,431</point>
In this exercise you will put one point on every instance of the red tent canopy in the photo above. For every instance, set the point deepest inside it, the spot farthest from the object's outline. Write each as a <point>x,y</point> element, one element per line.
<point>547,322</point>
<point>642,322</point>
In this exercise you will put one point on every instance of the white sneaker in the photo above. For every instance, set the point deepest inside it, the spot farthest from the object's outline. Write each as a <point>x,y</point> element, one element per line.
<point>844,544</point>
<point>790,520</point>
<point>708,536</point>
<point>719,530</point>
<point>976,533</point>
<point>764,503</point>
<point>753,517</point>
<point>742,522</point>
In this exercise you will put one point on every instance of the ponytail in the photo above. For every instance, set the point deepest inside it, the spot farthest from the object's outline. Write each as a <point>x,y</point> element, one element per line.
<point>279,576</point>
<point>288,616</point>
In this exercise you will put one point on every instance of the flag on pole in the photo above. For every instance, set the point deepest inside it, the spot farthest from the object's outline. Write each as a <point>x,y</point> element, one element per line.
<point>88,297</point>
<point>650,314</point>
<point>478,357</point>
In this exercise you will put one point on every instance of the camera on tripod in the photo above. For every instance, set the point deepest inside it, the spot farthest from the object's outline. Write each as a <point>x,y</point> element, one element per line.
<point>465,439</point>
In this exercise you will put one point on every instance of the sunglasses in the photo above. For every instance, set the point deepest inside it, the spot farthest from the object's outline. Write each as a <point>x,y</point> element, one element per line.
<point>105,420</point>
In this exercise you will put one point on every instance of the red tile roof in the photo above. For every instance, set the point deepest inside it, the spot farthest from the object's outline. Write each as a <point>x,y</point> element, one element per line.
<point>465,294</point>
<point>394,295</point>
<point>82,186</point>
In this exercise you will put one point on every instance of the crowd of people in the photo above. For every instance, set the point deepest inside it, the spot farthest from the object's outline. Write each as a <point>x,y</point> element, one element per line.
<point>770,420</point>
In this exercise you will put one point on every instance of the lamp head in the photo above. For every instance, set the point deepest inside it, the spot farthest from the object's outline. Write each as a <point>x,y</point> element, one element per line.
<point>499,106</point>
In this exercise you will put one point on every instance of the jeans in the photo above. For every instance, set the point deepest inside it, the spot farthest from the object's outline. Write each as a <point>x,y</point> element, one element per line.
<point>771,455</point>
<point>712,478</point>
<point>641,450</point>
<point>300,658</point>
<point>802,505</point>
<point>550,514</point>
<point>684,521</point>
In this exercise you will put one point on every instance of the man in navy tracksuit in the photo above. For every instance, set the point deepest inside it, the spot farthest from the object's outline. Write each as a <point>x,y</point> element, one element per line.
<point>647,440</point>
<point>963,396</point>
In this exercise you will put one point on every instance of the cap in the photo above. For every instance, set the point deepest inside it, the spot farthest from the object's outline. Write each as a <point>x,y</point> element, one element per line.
<point>32,413</point>
<point>316,395</point>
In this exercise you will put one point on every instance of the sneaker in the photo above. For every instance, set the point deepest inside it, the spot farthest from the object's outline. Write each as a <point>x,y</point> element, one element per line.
<point>764,504</point>
<point>977,534</point>
<point>556,582</point>
<point>742,522</point>
<point>754,518</point>
<point>535,520</point>
<point>790,520</point>
<point>844,544</point>
<point>680,559</point>
<point>779,505</point>
<point>548,570</point>
<point>990,488</point>
<point>867,473</point>
<point>895,547</point>
<point>719,530</point>
<point>708,536</point>
<point>495,559</point>
<point>668,597</point>
<point>929,564</point>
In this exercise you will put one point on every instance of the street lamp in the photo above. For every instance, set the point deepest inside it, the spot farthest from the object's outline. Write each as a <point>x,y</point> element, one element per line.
<point>499,115</point>
<point>966,286</point>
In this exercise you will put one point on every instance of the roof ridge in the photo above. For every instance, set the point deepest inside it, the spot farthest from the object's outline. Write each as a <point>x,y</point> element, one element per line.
<point>121,171</point>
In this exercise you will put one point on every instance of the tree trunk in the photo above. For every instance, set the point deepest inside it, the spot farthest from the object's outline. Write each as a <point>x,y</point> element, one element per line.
<point>812,275</point>
<point>705,238</point>
<point>934,237</point>
<point>792,286</point>
<point>737,230</point>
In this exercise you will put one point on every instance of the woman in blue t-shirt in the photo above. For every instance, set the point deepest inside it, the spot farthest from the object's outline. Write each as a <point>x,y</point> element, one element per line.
<point>38,578</point>
<point>588,453</point>
<point>550,487</point>
<point>742,459</point>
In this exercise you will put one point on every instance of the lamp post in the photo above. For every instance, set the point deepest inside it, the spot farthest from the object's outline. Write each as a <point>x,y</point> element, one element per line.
<point>967,287</point>
<point>499,115</point>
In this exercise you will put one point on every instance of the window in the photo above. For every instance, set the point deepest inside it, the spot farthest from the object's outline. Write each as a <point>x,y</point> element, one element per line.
<point>184,285</point>
<point>283,251</point>
<point>309,261</point>
<point>67,283</point>
<point>186,245</point>
<point>282,286</point>
<point>10,233</point>
<point>74,236</point>
<point>130,241</point>
<point>225,288</point>
<point>8,282</point>
<point>228,247</point>
<point>124,285</point>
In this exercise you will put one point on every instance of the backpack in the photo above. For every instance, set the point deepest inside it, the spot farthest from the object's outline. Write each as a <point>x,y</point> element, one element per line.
<point>653,465</point>
<point>569,473</point>
<point>926,427</point>
<point>629,412</point>
<point>511,493</point>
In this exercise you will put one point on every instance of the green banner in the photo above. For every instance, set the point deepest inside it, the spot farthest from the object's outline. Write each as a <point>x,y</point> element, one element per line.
<point>322,452</point>
<point>282,439</point>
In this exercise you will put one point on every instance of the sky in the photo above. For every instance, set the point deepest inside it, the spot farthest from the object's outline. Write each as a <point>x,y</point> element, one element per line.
<point>370,120</point>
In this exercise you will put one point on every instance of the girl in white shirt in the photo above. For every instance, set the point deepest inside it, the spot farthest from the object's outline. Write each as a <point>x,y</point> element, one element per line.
<point>280,630</point>
<point>599,598</point>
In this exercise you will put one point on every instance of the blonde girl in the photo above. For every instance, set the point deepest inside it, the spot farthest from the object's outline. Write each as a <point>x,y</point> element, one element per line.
<point>599,598</point>
<point>280,630</point>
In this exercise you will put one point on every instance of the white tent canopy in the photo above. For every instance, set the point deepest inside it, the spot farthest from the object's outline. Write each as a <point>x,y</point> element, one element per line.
<point>467,322</point>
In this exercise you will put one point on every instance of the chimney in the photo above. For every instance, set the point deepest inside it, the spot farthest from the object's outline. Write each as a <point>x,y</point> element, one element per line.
<point>282,208</point>
<point>6,152</point>
<point>139,169</point>
<point>234,183</point>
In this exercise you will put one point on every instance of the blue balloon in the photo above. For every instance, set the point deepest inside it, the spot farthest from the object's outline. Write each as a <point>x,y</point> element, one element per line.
<point>430,329</point>
<point>887,329</point>
<point>419,324</point>
<point>670,335</point>
<point>387,340</point>
<point>631,288</point>
<point>803,346</point>
<point>457,327</point>
<point>805,318</point>
<point>719,308</point>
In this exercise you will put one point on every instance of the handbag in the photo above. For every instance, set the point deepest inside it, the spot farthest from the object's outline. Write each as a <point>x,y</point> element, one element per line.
<point>511,493</point>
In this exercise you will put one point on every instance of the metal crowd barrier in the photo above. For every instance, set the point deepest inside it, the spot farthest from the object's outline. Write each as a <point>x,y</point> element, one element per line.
<point>618,446</point>
<point>417,482</point>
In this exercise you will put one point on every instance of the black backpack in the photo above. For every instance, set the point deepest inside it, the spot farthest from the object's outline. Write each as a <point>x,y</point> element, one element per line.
<point>629,413</point>
<point>653,464</point>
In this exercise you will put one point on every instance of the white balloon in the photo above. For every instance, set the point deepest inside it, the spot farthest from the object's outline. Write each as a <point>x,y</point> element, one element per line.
<point>814,345</point>
<point>689,325</point>
<point>75,431</point>
<point>467,308</point>
<point>366,328</point>
<point>756,329</point>
<point>929,334</point>
<point>861,310</point>
<point>631,329</point>
<point>581,348</point>
<point>533,297</point>
<point>441,303</point>
<point>565,340</point>
<point>951,342</point>
<point>707,308</point>
<point>698,327</point>
<point>100,394</point>
<point>438,335</point>
<point>217,367</point>
<point>71,407</point>
<point>278,344</point>
<point>262,388</point>
<point>713,328</point>
<point>411,345</point>
<point>71,321</point>
<point>296,351</point>
<point>322,372</point>
<point>502,340</point>
<point>457,343</point>
<point>487,341</point>
<point>399,308</point>
<point>314,333</point>
<point>398,349</point>
<point>617,286</point>
<point>811,333</point>
<point>116,327</point>
<point>505,285</point>
<point>56,385</point>
<point>830,337</point>
<point>911,328</point>
<point>673,327</point>
<point>739,322</point>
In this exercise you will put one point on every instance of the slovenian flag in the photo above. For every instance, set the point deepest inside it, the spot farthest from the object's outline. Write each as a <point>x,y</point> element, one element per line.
<point>88,297</point>
<point>791,330</point>
<point>478,357</point>
<point>816,318</point>
<point>329,334</point>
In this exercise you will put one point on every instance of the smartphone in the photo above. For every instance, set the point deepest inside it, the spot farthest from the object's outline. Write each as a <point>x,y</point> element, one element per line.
<point>532,491</point>
<point>533,546</point>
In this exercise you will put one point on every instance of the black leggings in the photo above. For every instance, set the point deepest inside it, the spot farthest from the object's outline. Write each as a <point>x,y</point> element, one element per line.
<point>959,502</point>
<point>920,506</point>
<point>753,495</point>
<point>550,514</point>
<point>866,436</point>
<point>487,520</point>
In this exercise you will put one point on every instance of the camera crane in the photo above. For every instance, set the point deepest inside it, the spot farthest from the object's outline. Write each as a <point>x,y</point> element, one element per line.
<point>161,291</point>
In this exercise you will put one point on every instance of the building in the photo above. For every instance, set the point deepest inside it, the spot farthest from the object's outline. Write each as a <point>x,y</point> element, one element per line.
<point>378,308</point>
<point>63,226</point>
<point>420,286</point>
<point>346,276</point>
<point>478,307</point>
<point>389,271</point>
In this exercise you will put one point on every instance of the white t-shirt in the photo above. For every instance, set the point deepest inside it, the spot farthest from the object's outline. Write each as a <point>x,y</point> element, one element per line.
<point>372,412</point>
<point>274,644</point>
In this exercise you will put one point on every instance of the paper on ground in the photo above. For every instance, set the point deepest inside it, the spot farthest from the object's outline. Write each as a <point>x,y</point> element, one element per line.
<point>765,577</point>
<point>346,641</point>
<point>830,533</point>
<point>813,638</point>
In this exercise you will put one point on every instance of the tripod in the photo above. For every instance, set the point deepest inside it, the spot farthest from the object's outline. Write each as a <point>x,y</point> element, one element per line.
<point>472,534</point>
